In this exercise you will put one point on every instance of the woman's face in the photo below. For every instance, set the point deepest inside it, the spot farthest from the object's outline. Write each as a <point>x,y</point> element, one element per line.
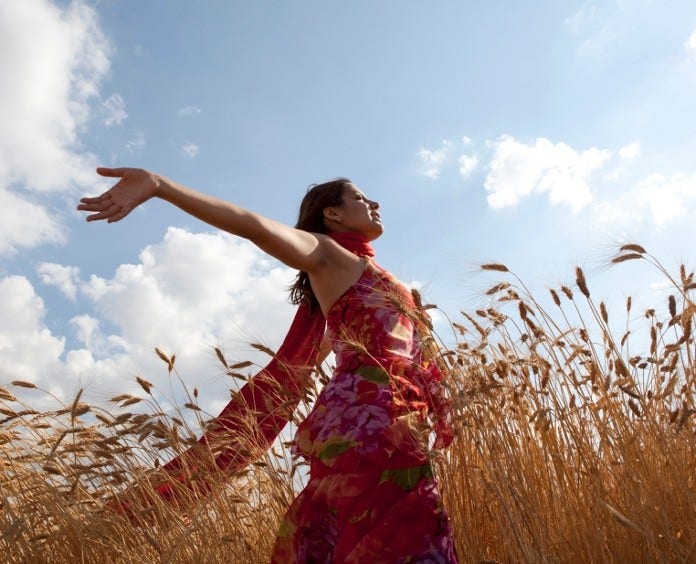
<point>357,213</point>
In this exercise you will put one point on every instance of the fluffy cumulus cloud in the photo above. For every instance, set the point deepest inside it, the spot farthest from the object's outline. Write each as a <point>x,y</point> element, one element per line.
<point>518,170</point>
<point>28,349</point>
<point>666,198</point>
<point>63,277</point>
<point>630,151</point>
<point>467,165</point>
<point>657,200</point>
<point>52,60</point>
<point>190,150</point>
<point>32,352</point>
<point>201,286</point>
<point>602,182</point>
<point>186,295</point>
<point>25,223</point>
<point>430,161</point>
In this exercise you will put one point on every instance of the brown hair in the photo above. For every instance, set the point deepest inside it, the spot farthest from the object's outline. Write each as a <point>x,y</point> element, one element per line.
<point>311,218</point>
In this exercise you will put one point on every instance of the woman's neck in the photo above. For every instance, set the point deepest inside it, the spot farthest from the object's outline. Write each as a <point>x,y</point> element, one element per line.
<point>353,241</point>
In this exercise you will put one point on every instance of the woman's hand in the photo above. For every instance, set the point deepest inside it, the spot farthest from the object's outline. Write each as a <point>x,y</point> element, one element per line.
<point>134,187</point>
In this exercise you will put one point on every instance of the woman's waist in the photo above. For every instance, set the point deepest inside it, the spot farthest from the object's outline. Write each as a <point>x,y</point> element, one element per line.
<point>389,359</point>
<point>392,369</point>
<point>381,345</point>
<point>369,469</point>
<point>353,438</point>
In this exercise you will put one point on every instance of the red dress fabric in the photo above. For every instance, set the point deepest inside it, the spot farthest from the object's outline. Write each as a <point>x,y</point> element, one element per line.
<point>371,495</point>
<point>256,414</point>
<point>259,411</point>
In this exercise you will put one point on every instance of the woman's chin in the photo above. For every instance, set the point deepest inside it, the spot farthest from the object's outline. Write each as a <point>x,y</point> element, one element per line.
<point>375,232</point>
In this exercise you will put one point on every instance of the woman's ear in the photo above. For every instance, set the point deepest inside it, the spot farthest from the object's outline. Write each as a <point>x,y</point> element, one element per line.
<point>332,213</point>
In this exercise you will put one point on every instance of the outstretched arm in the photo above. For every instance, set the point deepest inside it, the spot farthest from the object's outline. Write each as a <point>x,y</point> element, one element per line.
<point>245,428</point>
<point>296,248</point>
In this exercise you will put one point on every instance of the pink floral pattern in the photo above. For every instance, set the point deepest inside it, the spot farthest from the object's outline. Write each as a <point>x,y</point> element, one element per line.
<point>371,495</point>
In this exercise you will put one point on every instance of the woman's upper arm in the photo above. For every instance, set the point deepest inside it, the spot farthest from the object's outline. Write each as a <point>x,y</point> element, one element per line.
<point>296,248</point>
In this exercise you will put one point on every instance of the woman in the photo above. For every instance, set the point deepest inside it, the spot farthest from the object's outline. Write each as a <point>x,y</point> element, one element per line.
<point>371,494</point>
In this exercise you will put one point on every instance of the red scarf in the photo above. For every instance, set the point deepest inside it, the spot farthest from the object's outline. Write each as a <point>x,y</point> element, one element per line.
<point>259,411</point>
<point>356,243</point>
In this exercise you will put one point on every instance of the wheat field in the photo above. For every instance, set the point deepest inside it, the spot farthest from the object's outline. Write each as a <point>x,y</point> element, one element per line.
<point>576,442</point>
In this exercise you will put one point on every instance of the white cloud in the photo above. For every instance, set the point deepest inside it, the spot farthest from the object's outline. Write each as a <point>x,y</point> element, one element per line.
<point>114,110</point>
<point>64,278</point>
<point>186,294</point>
<point>194,282</point>
<point>431,161</point>
<point>52,61</point>
<point>690,44</point>
<point>602,181</point>
<point>189,111</point>
<point>28,350</point>
<point>25,223</point>
<point>136,144</point>
<point>666,199</point>
<point>605,183</point>
<point>656,200</point>
<point>518,170</point>
<point>86,327</point>
<point>89,333</point>
<point>190,150</point>
<point>467,165</point>
<point>630,151</point>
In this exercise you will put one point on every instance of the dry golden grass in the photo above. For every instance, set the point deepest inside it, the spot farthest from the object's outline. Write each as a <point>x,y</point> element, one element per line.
<point>574,444</point>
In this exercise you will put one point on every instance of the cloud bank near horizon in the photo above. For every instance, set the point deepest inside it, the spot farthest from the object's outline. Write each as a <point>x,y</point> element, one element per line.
<point>179,297</point>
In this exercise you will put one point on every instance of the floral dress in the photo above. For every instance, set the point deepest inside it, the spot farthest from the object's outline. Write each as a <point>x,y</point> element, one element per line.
<point>371,495</point>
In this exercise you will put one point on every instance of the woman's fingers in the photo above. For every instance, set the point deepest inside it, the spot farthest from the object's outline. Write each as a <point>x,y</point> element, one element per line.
<point>111,172</point>
<point>119,215</point>
<point>95,202</point>
<point>87,202</point>
<point>90,204</point>
<point>105,207</point>
<point>106,214</point>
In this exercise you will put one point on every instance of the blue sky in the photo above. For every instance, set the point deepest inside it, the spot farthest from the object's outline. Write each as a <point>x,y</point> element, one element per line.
<point>536,134</point>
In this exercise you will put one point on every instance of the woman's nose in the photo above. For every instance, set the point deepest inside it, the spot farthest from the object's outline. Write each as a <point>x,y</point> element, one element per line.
<point>374,205</point>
